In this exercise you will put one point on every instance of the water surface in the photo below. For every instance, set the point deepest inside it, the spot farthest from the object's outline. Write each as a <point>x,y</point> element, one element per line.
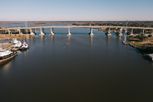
<point>79,69</point>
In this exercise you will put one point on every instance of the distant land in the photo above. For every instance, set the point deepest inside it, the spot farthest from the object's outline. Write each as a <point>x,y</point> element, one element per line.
<point>100,23</point>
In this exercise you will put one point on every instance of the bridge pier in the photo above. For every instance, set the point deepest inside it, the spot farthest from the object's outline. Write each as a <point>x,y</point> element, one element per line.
<point>115,30</point>
<point>52,32</point>
<point>91,34</point>
<point>19,30</point>
<point>9,32</point>
<point>32,33</point>
<point>69,32</point>
<point>132,32</point>
<point>126,31</point>
<point>143,32</point>
<point>125,37</point>
<point>108,33</point>
<point>121,32</point>
<point>41,32</point>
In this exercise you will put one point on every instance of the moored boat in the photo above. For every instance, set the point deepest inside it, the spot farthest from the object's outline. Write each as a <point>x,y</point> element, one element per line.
<point>151,56</point>
<point>6,55</point>
<point>148,57</point>
<point>16,43</point>
<point>24,46</point>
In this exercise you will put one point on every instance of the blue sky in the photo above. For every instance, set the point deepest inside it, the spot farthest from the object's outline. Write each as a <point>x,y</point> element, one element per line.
<point>62,10</point>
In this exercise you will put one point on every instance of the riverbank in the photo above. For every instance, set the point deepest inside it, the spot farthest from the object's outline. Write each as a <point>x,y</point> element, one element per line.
<point>145,45</point>
<point>17,36</point>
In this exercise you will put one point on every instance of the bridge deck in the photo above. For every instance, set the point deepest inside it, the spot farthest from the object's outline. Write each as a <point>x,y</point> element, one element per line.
<point>103,27</point>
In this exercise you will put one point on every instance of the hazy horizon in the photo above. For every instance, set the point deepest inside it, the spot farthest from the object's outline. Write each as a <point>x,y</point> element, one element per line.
<point>76,10</point>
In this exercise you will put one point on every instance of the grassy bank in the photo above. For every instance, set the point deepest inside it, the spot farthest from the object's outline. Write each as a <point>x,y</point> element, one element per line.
<point>145,44</point>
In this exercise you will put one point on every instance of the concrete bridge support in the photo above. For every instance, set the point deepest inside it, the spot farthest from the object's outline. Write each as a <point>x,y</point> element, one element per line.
<point>32,33</point>
<point>19,30</point>
<point>132,32</point>
<point>52,32</point>
<point>121,32</point>
<point>91,34</point>
<point>143,31</point>
<point>109,33</point>
<point>9,32</point>
<point>69,32</point>
<point>41,32</point>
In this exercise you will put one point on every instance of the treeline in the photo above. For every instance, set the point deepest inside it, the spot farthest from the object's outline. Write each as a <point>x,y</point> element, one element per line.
<point>118,23</point>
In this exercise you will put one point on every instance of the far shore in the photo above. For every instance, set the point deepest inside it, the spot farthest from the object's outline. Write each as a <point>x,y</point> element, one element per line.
<point>17,36</point>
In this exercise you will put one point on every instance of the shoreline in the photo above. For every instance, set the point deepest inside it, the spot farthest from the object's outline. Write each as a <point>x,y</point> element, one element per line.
<point>17,36</point>
<point>144,46</point>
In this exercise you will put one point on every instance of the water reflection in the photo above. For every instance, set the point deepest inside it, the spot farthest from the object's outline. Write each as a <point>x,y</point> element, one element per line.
<point>6,67</point>
<point>25,53</point>
<point>91,40</point>
<point>108,40</point>
<point>68,43</point>
<point>118,39</point>
<point>53,37</point>
<point>42,38</point>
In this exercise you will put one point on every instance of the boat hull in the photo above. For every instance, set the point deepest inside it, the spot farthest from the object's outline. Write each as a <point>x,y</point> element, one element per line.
<point>6,60</point>
<point>23,48</point>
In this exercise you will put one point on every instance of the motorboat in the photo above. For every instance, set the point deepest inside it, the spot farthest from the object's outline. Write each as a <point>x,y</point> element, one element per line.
<point>6,55</point>
<point>16,43</point>
<point>24,46</point>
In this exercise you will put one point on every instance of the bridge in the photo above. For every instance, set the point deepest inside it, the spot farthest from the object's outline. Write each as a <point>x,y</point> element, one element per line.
<point>108,32</point>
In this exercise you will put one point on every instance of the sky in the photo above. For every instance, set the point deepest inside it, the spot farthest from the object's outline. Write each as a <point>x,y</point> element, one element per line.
<point>76,10</point>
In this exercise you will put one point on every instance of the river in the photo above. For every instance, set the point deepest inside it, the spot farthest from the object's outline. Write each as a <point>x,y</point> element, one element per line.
<point>77,69</point>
